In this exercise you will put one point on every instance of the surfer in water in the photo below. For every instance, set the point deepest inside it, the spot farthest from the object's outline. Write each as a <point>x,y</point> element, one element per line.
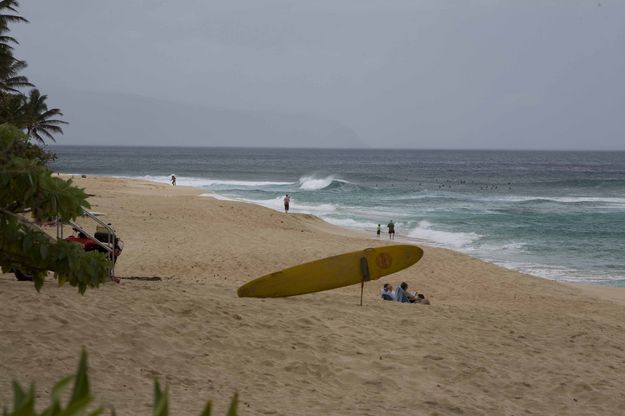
<point>287,200</point>
<point>391,230</point>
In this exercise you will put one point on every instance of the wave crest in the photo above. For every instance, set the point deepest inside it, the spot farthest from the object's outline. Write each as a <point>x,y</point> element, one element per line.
<point>424,231</point>
<point>312,183</point>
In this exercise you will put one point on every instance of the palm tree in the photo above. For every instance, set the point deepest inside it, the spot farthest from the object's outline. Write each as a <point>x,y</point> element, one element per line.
<point>11,6</point>
<point>38,120</point>
<point>5,19</point>
<point>12,109</point>
<point>10,81</point>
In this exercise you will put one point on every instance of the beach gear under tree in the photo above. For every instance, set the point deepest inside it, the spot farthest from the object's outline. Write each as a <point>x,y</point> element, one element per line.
<point>30,195</point>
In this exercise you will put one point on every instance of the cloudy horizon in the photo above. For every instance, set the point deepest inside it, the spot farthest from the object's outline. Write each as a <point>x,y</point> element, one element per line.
<point>481,74</point>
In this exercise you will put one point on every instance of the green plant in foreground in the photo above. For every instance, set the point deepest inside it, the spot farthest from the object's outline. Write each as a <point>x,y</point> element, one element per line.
<point>80,399</point>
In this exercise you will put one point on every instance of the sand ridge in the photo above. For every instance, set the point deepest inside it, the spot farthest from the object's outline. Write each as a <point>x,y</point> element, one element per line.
<point>494,341</point>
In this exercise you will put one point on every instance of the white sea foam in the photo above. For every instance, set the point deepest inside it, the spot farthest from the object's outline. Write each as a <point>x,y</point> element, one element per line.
<point>425,232</point>
<point>217,196</point>
<point>208,182</point>
<point>507,247</point>
<point>278,205</point>
<point>554,272</point>
<point>320,208</point>
<point>312,183</point>
<point>274,203</point>
<point>350,223</point>
<point>561,199</point>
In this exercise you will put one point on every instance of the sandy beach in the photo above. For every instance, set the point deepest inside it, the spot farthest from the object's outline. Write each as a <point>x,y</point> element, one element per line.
<point>493,342</point>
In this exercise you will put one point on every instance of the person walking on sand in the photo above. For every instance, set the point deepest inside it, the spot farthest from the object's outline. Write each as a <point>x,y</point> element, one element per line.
<point>379,231</point>
<point>173,180</point>
<point>287,200</point>
<point>391,230</point>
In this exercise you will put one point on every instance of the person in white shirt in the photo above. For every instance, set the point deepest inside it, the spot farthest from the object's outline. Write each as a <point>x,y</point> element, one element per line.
<point>387,292</point>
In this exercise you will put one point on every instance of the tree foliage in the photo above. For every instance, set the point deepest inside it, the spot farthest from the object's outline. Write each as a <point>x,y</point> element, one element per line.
<point>29,194</point>
<point>28,112</point>
<point>37,119</point>
<point>80,400</point>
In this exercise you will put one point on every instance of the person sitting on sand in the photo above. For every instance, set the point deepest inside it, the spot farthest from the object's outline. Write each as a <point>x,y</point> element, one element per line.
<point>387,292</point>
<point>402,295</point>
<point>422,299</point>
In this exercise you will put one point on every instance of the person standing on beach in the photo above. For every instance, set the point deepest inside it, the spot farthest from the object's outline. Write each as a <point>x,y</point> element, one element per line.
<point>379,231</point>
<point>287,200</point>
<point>173,180</point>
<point>391,230</point>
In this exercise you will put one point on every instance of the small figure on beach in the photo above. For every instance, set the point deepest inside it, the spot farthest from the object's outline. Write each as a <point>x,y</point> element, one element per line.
<point>287,201</point>
<point>387,292</point>
<point>391,230</point>
<point>402,295</point>
<point>173,180</point>
<point>422,299</point>
<point>379,231</point>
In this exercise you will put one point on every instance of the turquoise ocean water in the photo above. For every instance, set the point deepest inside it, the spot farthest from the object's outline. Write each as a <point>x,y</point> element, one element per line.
<point>559,215</point>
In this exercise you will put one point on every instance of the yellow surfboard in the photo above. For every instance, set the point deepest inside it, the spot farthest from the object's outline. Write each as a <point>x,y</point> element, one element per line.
<point>332,272</point>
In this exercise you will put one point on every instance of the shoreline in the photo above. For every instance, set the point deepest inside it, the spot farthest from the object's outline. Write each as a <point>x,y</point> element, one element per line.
<point>493,341</point>
<point>359,232</point>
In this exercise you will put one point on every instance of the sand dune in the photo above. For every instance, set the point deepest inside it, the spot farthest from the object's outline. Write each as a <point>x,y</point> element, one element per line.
<point>494,342</point>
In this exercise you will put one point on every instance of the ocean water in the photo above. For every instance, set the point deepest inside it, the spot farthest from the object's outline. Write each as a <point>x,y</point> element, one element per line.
<point>559,215</point>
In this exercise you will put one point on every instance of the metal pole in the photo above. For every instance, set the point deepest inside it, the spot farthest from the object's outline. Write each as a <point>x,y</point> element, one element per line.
<point>364,272</point>
<point>362,288</point>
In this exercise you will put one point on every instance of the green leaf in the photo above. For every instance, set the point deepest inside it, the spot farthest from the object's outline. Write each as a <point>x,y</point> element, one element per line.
<point>81,382</point>
<point>38,281</point>
<point>23,402</point>
<point>161,401</point>
<point>232,411</point>
<point>54,409</point>
<point>76,407</point>
<point>60,386</point>
<point>27,242</point>
<point>207,409</point>
<point>18,394</point>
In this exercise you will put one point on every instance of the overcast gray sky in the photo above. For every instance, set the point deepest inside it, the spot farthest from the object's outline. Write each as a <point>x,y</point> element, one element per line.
<point>524,74</point>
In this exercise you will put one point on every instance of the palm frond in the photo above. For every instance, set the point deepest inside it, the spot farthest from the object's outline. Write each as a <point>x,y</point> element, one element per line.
<point>8,39</point>
<point>51,124</point>
<point>35,135</point>
<point>52,113</point>
<point>12,18</point>
<point>50,127</point>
